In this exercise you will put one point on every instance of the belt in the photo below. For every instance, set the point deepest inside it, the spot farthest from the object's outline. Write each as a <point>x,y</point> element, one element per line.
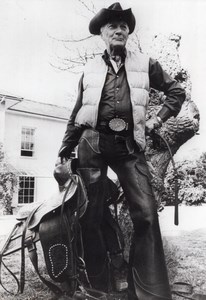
<point>114,126</point>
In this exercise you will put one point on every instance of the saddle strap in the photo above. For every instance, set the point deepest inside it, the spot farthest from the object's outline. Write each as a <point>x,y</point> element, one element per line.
<point>89,294</point>
<point>34,259</point>
<point>33,256</point>
<point>22,272</point>
<point>77,227</point>
<point>176,214</point>
<point>2,263</point>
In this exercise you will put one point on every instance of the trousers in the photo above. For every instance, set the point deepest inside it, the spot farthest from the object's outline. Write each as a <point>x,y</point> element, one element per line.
<point>147,274</point>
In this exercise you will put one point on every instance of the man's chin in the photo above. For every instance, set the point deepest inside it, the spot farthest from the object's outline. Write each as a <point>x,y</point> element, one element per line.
<point>117,48</point>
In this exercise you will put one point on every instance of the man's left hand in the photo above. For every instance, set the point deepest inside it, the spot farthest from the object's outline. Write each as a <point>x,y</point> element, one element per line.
<point>153,123</point>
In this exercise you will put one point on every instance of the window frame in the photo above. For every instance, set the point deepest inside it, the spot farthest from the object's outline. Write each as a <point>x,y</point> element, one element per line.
<point>28,190</point>
<point>30,142</point>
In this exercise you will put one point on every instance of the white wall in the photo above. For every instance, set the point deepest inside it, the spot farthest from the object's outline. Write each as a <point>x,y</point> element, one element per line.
<point>45,188</point>
<point>2,121</point>
<point>48,136</point>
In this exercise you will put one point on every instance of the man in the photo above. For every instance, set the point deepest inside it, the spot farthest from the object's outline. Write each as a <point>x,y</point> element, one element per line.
<point>108,123</point>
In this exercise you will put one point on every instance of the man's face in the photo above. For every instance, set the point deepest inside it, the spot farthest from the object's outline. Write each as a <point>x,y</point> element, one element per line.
<point>115,34</point>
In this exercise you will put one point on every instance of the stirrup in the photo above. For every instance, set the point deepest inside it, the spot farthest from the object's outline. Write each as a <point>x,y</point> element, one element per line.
<point>89,294</point>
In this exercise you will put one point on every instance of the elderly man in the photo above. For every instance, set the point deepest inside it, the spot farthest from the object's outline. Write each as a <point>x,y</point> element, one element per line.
<point>109,123</point>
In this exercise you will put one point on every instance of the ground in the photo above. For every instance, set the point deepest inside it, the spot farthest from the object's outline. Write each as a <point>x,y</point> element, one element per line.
<point>186,259</point>
<point>184,249</point>
<point>185,246</point>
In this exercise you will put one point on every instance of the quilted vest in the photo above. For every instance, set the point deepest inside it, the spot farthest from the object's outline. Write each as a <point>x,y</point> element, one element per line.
<point>137,68</point>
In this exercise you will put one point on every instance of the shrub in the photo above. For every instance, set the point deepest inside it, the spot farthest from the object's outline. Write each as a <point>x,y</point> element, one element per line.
<point>8,182</point>
<point>191,182</point>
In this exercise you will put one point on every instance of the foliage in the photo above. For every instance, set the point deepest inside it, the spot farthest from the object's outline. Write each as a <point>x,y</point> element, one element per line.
<point>191,182</point>
<point>1,152</point>
<point>8,182</point>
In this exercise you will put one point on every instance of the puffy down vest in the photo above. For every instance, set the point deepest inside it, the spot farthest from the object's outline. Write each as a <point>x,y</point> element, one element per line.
<point>137,67</point>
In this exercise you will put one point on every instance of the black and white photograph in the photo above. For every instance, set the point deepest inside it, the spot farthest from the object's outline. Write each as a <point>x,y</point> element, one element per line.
<point>102,150</point>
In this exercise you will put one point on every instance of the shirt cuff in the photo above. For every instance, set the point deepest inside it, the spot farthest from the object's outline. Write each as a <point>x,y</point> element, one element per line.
<point>165,113</point>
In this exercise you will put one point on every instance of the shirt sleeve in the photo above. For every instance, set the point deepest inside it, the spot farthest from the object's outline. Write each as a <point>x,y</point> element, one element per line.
<point>72,133</point>
<point>175,94</point>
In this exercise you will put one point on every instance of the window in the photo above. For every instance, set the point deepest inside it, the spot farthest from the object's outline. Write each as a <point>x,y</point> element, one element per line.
<point>27,141</point>
<point>26,189</point>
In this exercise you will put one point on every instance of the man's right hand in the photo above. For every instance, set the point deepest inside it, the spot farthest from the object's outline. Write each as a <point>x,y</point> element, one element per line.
<point>63,156</point>
<point>64,153</point>
<point>152,123</point>
<point>60,161</point>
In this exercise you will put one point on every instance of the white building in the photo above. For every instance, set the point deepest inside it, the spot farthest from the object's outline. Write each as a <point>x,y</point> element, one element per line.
<point>31,133</point>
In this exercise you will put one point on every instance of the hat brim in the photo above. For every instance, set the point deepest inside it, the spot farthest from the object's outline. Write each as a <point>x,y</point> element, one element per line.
<point>105,16</point>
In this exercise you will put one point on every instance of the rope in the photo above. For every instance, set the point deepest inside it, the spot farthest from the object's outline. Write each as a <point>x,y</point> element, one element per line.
<point>176,215</point>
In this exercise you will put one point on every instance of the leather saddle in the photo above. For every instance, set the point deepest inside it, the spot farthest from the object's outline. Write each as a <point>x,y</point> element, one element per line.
<point>38,210</point>
<point>48,221</point>
<point>55,202</point>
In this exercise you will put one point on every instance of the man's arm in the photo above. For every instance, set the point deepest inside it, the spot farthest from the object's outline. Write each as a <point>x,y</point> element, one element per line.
<point>175,94</point>
<point>72,133</point>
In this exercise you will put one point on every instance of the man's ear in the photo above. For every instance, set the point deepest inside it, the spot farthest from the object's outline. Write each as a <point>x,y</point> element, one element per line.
<point>101,33</point>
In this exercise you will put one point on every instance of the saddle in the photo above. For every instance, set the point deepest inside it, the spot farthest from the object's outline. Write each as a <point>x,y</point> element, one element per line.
<point>55,223</point>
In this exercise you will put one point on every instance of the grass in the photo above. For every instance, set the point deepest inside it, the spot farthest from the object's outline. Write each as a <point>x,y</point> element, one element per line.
<point>185,256</point>
<point>34,288</point>
<point>186,259</point>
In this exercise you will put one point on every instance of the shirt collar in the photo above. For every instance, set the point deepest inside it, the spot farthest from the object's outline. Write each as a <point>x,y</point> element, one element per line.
<point>107,57</point>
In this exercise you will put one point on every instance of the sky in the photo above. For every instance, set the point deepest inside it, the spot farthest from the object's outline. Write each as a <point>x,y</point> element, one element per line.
<point>31,30</point>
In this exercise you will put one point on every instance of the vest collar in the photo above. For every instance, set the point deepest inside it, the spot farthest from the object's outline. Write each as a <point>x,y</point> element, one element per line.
<point>106,57</point>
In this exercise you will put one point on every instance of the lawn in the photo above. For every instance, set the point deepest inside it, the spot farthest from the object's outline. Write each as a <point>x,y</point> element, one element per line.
<point>185,255</point>
<point>186,259</point>
<point>34,288</point>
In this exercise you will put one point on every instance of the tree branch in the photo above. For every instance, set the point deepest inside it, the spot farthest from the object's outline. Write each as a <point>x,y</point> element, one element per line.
<point>72,40</point>
<point>92,10</point>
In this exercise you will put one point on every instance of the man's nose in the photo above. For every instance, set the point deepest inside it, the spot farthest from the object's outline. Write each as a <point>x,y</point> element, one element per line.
<point>118,30</point>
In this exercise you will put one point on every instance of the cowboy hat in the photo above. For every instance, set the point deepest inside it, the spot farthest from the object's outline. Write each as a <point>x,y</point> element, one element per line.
<point>112,13</point>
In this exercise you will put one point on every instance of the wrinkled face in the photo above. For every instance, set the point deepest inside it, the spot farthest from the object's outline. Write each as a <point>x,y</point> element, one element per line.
<point>115,34</point>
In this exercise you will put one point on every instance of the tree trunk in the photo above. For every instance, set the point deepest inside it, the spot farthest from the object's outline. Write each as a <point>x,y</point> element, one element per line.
<point>176,131</point>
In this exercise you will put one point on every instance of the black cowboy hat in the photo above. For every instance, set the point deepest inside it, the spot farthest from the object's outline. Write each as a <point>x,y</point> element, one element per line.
<point>112,13</point>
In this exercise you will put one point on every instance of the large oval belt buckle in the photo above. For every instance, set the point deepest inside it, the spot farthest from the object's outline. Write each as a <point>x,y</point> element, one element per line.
<point>117,124</point>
